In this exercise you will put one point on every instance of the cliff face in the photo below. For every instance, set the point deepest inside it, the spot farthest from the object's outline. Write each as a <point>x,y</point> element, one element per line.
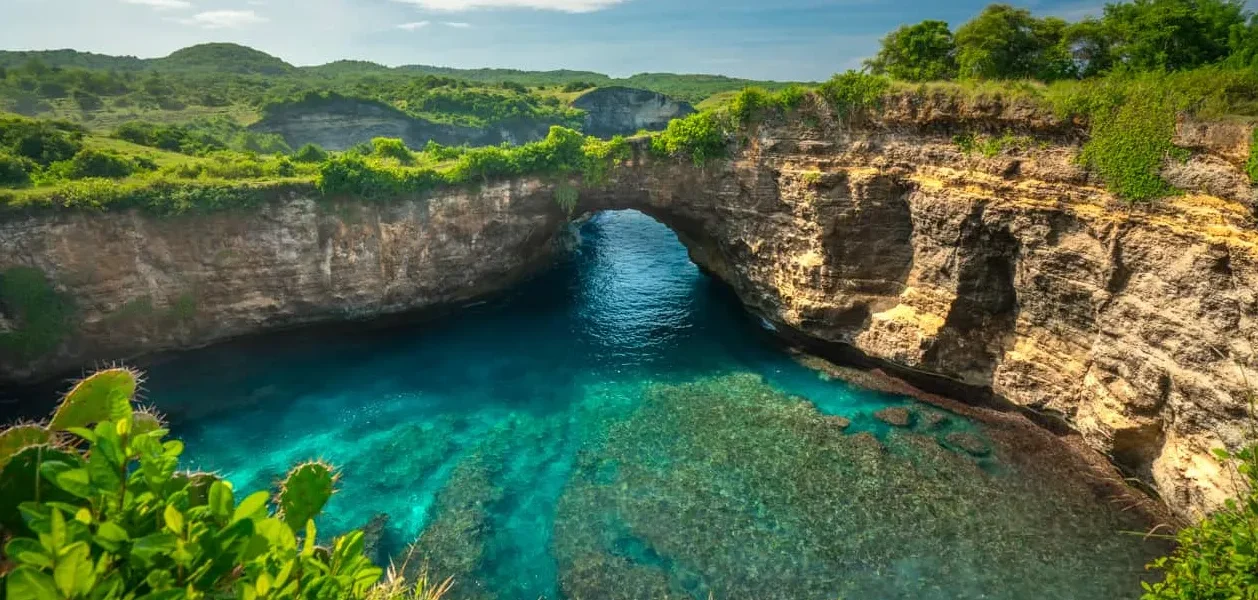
<point>1016,274</point>
<point>612,111</point>
<point>339,124</point>
<point>141,284</point>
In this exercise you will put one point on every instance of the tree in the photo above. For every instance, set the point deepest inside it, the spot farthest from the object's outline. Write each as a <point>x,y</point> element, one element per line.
<point>1173,35</point>
<point>922,52</point>
<point>1091,47</point>
<point>1004,42</point>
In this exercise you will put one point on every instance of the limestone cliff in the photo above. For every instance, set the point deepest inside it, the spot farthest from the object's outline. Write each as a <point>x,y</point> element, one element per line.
<point>141,284</point>
<point>615,110</point>
<point>340,123</point>
<point>1016,276</point>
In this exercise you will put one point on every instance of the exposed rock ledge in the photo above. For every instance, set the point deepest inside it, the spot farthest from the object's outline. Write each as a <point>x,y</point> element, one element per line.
<point>1016,274</point>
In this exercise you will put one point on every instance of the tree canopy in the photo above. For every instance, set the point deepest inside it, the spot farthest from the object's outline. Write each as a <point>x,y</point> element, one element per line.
<point>1005,42</point>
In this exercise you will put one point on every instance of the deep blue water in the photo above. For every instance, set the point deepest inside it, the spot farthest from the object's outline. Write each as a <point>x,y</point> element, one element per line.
<point>619,427</point>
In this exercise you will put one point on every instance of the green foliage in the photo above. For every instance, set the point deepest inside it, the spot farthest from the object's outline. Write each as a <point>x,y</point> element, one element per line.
<point>176,138</point>
<point>853,92</point>
<point>1132,122</point>
<point>15,171</point>
<point>1251,165</point>
<point>40,314</point>
<point>1171,35</point>
<point>1216,559</point>
<point>566,196</point>
<point>1004,42</point>
<point>748,104</point>
<point>310,153</point>
<point>922,52</point>
<point>43,142</point>
<point>113,519</point>
<point>392,148</point>
<point>99,163</point>
<point>700,136</point>
<point>991,146</point>
<point>304,492</point>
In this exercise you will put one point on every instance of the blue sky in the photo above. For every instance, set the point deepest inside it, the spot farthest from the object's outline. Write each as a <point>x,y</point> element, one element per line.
<point>782,39</point>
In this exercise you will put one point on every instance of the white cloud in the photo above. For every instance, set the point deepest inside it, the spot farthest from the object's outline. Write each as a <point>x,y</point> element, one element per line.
<point>571,6</point>
<point>225,19</point>
<point>161,4</point>
<point>413,26</point>
<point>456,25</point>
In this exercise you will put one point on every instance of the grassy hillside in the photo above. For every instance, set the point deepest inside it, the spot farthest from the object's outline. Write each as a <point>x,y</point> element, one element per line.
<point>237,82</point>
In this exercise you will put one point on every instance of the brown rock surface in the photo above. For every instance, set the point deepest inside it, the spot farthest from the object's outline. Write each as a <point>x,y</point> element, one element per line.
<point>897,416</point>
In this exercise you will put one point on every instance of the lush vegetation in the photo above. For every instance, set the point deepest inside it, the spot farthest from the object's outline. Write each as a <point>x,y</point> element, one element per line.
<point>93,506</point>
<point>239,84</point>
<point>1217,559</point>
<point>167,169</point>
<point>1004,42</point>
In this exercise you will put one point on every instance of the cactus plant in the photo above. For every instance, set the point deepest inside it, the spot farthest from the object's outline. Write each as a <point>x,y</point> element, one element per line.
<point>104,396</point>
<point>303,493</point>
<point>20,436</point>
<point>145,419</point>
<point>111,517</point>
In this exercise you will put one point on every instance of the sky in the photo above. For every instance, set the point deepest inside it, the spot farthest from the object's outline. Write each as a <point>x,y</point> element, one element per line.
<point>789,40</point>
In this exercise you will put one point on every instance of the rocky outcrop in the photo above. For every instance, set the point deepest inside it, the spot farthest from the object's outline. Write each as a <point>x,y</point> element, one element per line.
<point>143,284</point>
<point>1015,279</point>
<point>614,110</point>
<point>340,123</point>
<point>1017,276</point>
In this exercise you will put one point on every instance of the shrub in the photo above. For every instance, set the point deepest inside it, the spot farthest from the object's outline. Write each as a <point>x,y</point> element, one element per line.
<point>748,104</point>
<point>40,313</point>
<point>44,142</point>
<point>852,92</point>
<point>700,136</point>
<point>310,153</point>
<point>99,163</point>
<point>392,148</point>
<point>1216,559</point>
<point>15,171</point>
<point>110,516</point>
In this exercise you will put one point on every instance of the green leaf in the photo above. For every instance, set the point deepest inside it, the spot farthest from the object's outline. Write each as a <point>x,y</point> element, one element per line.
<point>221,499</point>
<point>27,583</point>
<point>153,545</point>
<point>75,481</point>
<point>309,548</point>
<point>253,507</point>
<point>19,437</point>
<point>74,573</point>
<point>28,551</point>
<point>304,493</point>
<point>174,519</point>
<point>111,536</point>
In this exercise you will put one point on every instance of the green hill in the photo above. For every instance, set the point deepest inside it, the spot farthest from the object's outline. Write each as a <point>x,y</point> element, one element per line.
<point>223,58</point>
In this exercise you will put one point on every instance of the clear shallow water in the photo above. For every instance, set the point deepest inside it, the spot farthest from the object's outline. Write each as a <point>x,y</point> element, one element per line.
<point>620,428</point>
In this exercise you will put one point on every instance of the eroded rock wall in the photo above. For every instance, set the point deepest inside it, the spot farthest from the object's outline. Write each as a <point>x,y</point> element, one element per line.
<point>1016,273</point>
<point>141,283</point>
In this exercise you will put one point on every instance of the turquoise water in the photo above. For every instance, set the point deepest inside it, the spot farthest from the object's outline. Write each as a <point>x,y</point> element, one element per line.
<point>619,427</point>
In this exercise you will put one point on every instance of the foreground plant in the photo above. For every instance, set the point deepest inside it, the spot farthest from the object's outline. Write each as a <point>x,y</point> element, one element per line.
<point>1217,559</point>
<point>93,507</point>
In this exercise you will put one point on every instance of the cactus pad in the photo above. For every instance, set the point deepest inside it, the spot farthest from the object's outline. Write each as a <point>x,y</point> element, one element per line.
<point>103,396</point>
<point>304,492</point>
<point>146,419</point>
<point>18,437</point>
